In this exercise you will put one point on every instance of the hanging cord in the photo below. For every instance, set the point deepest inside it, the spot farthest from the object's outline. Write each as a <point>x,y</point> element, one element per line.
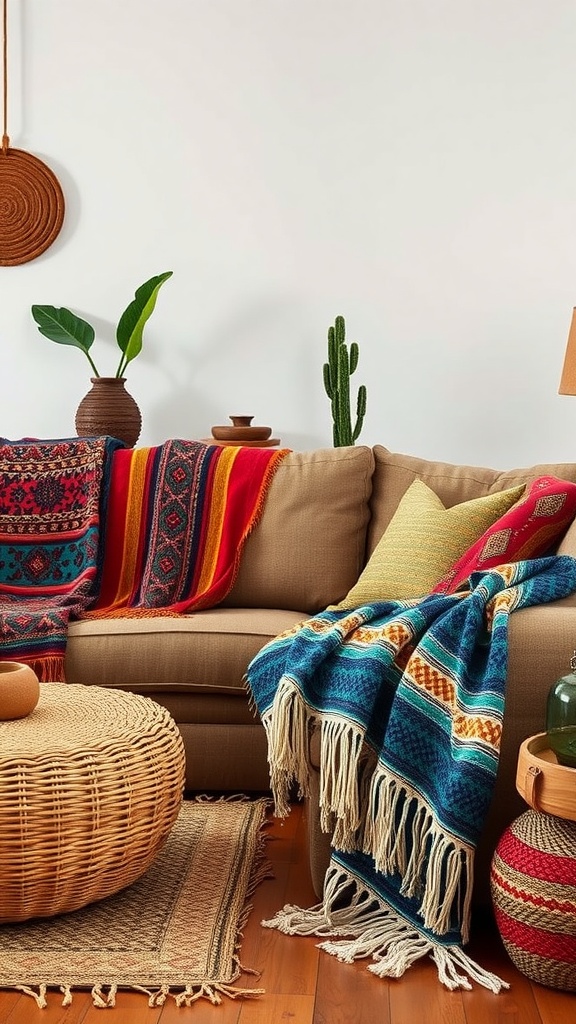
<point>5,139</point>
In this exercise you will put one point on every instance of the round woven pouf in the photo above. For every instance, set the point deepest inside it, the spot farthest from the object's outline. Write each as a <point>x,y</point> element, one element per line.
<point>533,884</point>
<point>91,783</point>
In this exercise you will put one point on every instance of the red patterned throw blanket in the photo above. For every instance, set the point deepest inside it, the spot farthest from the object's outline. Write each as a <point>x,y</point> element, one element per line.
<point>52,498</point>
<point>91,529</point>
<point>178,517</point>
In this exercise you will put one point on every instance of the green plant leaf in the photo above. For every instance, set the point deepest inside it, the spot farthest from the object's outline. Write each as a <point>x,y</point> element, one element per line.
<point>63,327</point>
<point>131,324</point>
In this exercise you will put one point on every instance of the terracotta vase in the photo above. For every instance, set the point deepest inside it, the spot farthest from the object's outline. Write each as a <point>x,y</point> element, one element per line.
<point>19,690</point>
<point>109,409</point>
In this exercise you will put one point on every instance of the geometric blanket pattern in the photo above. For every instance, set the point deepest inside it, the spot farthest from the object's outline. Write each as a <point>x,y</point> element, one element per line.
<point>52,500</point>
<point>409,699</point>
<point>528,530</point>
<point>178,517</point>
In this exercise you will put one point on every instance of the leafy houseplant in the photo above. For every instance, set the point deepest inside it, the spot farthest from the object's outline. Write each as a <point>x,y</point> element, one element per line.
<point>107,408</point>
<point>65,328</point>
<point>337,372</point>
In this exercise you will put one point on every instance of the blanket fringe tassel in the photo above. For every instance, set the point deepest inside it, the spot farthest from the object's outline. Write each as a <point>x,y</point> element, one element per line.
<point>368,927</point>
<point>286,725</point>
<point>286,730</point>
<point>431,863</point>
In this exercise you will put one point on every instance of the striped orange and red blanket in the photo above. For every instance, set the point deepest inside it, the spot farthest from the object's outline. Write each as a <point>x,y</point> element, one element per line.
<point>178,516</point>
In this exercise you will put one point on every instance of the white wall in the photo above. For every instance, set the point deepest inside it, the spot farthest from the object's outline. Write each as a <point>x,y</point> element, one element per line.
<point>409,164</point>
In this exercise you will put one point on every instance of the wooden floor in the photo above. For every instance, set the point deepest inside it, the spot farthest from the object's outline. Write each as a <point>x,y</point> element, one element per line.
<point>303,985</point>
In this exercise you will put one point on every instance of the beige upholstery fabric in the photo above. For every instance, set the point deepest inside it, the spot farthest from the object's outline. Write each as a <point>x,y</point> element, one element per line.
<point>306,553</point>
<point>194,666</point>
<point>308,549</point>
<point>206,652</point>
<point>393,474</point>
<point>225,758</point>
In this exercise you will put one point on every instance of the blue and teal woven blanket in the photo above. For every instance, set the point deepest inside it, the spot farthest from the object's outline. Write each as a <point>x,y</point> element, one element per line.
<point>409,697</point>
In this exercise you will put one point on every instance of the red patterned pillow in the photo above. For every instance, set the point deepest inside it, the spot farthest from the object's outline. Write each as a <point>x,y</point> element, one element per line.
<point>527,530</point>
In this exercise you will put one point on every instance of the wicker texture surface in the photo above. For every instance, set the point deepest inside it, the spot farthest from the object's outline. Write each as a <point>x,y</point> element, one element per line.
<point>174,934</point>
<point>533,882</point>
<point>31,207</point>
<point>90,785</point>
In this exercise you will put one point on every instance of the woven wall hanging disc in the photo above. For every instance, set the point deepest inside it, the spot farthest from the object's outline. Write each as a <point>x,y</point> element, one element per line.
<point>31,207</point>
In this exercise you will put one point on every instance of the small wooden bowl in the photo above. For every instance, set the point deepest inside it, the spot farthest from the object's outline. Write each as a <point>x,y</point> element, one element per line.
<point>544,784</point>
<point>19,690</point>
<point>241,433</point>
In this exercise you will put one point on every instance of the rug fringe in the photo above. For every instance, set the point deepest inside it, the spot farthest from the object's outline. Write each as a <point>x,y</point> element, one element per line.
<point>367,927</point>
<point>67,991</point>
<point>39,996</point>
<point>100,999</point>
<point>106,1000</point>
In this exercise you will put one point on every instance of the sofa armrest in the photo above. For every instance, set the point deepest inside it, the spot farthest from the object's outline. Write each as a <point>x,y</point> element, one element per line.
<point>541,640</point>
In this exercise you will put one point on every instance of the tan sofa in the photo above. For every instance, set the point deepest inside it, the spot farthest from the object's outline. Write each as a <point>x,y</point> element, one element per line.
<point>324,514</point>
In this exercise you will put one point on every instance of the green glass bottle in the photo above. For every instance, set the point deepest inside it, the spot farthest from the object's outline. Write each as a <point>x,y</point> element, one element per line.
<point>561,717</point>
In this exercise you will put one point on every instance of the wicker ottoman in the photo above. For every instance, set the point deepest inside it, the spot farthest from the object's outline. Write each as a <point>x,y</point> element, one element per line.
<point>90,785</point>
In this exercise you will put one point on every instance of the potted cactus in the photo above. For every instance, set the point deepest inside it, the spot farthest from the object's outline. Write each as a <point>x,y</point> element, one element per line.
<point>337,372</point>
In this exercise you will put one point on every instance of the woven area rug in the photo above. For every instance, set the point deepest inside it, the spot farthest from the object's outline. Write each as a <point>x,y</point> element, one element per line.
<point>175,933</point>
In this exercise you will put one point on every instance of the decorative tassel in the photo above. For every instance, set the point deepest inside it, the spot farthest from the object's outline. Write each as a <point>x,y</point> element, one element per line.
<point>100,999</point>
<point>368,927</point>
<point>39,996</point>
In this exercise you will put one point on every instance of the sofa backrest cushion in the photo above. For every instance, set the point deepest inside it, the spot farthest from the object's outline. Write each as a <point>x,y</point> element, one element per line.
<point>308,548</point>
<point>393,474</point>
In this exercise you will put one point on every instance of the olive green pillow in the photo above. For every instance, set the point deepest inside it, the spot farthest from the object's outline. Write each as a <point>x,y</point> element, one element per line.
<point>422,541</point>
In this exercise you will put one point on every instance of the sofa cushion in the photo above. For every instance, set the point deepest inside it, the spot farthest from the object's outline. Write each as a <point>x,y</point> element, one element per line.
<point>309,546</point>
<point>527,530</point>
<point>422,541</point>
<point>206,652</point>
<point>393,474</point>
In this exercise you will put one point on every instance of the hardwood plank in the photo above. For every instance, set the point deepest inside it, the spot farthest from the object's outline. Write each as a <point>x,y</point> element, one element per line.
<point>510,1005</point>
<point>279,1008</point>
<point>554,1005</point>
<point>269,895</point>
<point>130,1008</point>
<point>201,1012</point>
<point>349,994</point>
<point>420,988</point>
<point>8,1001</point>
<point>290,963</point>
